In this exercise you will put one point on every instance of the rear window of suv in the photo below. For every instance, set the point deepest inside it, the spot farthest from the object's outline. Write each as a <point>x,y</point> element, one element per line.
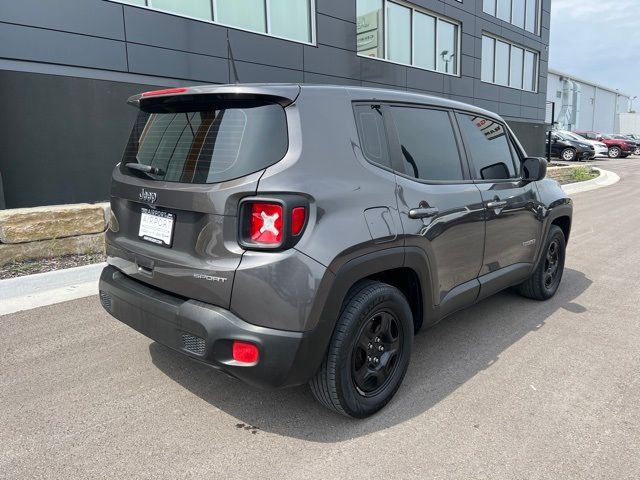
<point>207,145</point>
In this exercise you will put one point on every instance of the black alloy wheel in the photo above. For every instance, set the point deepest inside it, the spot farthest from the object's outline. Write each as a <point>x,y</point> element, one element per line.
<point>375,356</point>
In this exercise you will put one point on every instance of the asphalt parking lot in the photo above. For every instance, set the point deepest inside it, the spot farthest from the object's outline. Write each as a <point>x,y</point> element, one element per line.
<point>511,388</point>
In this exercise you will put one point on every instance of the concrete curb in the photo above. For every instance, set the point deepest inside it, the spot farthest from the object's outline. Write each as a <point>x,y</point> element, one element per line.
<point>32,291</point>
<point>605,179</point>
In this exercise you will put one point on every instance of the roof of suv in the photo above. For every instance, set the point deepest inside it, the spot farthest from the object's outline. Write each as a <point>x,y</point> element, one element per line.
<point>291,91</point>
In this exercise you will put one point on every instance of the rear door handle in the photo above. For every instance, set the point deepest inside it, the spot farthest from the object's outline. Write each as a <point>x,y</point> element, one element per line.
<point>423,212</point>
<point>497,204</point>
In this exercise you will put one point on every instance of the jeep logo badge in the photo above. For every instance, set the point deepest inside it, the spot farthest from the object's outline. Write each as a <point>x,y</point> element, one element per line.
<point>148,197</point>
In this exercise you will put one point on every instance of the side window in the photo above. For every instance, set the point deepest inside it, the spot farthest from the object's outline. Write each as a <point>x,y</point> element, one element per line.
<point>429,147</point>
<point>488,146</point>
<point>373,138</point>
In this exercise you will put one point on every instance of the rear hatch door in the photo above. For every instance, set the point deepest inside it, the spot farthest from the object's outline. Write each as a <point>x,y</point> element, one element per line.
<point>191,156</point>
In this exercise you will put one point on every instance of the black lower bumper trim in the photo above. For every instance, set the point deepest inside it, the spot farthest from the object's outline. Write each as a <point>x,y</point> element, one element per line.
<point>206,332</point>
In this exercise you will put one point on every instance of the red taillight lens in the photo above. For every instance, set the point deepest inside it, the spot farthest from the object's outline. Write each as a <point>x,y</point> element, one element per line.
<point>245,352</point>
<point>166,91</point>
<point>298,217</point>
<point>266,223</point>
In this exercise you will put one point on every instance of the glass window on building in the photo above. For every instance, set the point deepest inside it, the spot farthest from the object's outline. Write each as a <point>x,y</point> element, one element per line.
<point>503,11</point>
<point>424,44</point>
<point>190,8</point>
<point>501,76</point>
<point>290,19</point>
<point>489,6</point>
<point>370,28</point>
<point>507,64</point>
<point>249,14</point>
<point>521,13</point>
<point>517,59</point>
<point>530,71</point>
<point>488,58</point>
<point>518,12</point>
<point>447,47</point>
<point>531,23</point>
<point>398,35</point>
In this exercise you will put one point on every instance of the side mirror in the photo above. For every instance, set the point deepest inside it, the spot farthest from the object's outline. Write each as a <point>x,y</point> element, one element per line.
<point>534,169</point>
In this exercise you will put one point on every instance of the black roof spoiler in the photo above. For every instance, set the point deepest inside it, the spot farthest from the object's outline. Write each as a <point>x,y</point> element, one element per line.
<point>284,94</point>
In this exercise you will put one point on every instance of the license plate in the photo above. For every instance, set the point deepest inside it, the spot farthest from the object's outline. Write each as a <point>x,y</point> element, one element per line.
<point>156,226</point>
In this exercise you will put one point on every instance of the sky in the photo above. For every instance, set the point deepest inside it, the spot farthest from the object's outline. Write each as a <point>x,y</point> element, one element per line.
<point>598,40</point>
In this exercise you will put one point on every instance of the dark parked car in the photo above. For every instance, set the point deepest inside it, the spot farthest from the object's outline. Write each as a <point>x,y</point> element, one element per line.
<point>288,234</point>
<point>570,149</point>
<point>618,147</point>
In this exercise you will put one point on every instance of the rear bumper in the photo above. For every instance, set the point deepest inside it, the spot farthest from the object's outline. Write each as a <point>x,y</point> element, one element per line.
<point>206,332</point>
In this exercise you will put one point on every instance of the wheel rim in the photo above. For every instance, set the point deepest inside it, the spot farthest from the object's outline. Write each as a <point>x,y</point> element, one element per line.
<point>636,151</point>
<point>376,354</point>
<point>568,155</point>
<point>552,264</point>
<point>614,152</point>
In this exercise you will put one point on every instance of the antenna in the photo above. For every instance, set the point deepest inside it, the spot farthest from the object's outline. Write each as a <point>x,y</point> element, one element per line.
<point>233,62</point>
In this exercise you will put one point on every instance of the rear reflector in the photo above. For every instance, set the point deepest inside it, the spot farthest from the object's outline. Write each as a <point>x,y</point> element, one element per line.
<point>245,352</point>
<point>266,223</point>
<point>166,91</point>
<point>298,217</point>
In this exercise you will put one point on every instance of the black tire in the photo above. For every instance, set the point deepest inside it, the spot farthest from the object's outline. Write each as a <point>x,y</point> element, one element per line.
<point>568,155</point>
<point>614,152</point>
<point>337,383</point>
<point>545,279</point>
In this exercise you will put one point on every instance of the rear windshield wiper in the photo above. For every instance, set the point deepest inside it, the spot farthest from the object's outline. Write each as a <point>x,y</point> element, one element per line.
<point>141,167</point>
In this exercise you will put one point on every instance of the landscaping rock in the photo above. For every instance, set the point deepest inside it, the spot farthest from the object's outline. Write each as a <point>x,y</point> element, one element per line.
<point>84,244</point>
<point>23,225</point>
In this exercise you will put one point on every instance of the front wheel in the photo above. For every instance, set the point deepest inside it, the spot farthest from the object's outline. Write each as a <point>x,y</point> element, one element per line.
<point>614,152</point>
<point>545,279</point>
<point>636,151</point>
<point>568,154</point>
<point>369,351</point>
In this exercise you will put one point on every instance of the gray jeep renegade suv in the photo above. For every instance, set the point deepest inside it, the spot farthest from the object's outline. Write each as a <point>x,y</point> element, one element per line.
<point>289,233</point>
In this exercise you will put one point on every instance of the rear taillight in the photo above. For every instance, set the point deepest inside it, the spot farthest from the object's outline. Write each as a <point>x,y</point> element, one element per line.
<point>166,91</point>
<point>272,223</point>
<point>298,218</point>
<point>266,223</point>
<point>245,352</point>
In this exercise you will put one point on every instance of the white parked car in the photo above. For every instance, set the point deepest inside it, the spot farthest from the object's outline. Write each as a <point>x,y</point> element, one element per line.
<point>601,149</point>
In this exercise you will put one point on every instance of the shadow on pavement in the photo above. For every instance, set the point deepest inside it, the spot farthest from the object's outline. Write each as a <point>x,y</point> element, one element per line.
<point>444,357</point>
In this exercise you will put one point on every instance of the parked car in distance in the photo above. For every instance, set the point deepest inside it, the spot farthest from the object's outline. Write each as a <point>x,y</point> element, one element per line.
<point>567,148</point>
<point>600,148</point>
<point>242,238</point>
<point>618,148</point>
<point>631,139</point>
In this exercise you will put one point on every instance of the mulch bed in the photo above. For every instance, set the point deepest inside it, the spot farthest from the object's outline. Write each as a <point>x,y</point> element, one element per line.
<point>29,267</point>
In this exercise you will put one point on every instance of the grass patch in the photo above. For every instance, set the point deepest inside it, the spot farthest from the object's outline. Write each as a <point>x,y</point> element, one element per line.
<point>582,174</point>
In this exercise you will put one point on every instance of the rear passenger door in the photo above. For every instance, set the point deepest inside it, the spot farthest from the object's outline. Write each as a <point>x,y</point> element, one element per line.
<point>514,215</point>
<point>440,207</point>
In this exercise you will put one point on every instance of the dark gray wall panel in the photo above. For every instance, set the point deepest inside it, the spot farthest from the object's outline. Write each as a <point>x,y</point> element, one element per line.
<point>97,18</point>
<point>344,9</point>
<point>336,33</point>
<point>256,48</point>
<point>256,73</point>
<point>62,148</point>
<point>171,63</point>
<point>328,79</point>
<point>331,61</point>
<point>383,72</point>
<point>459,86</point>
<point>39,45</point>
<point>177,33</point>
<point>531,136</point>
<point>425,80</point>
